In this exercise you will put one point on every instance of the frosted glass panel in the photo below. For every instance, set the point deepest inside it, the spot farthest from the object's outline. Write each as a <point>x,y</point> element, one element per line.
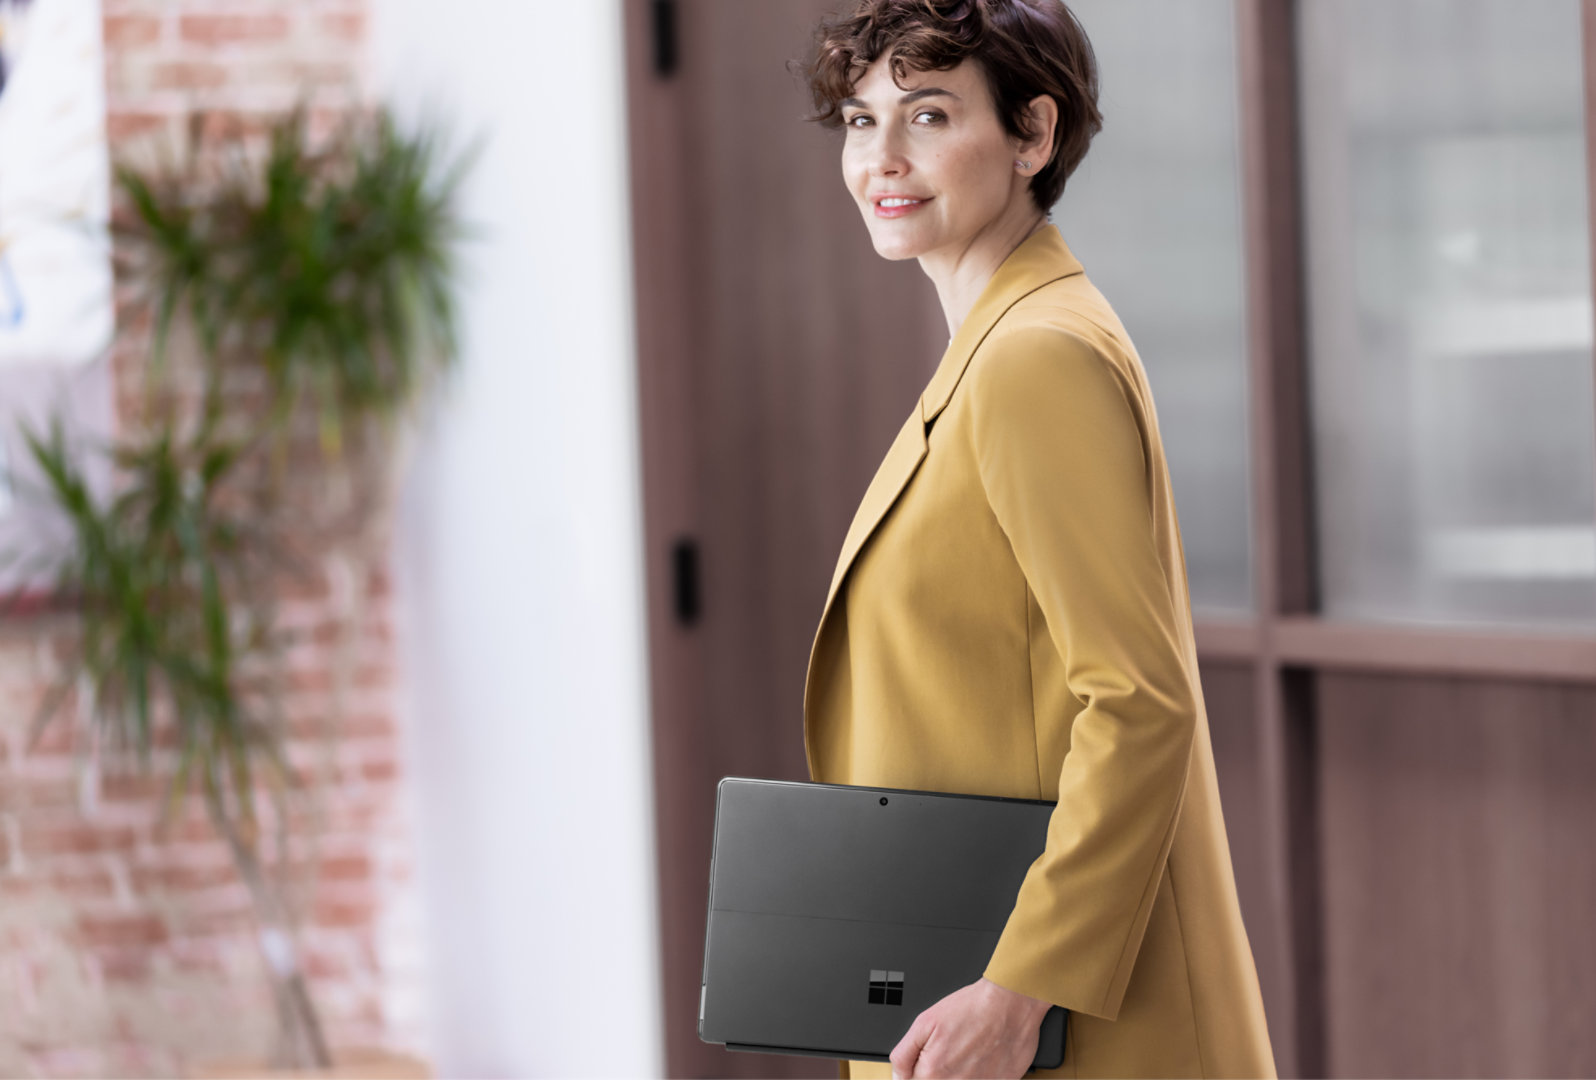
<point>1449,310</point>
<point>1154,215</point>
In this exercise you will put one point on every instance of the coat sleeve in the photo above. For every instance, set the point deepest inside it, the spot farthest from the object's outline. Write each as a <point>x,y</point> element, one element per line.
<point>1059,445</point>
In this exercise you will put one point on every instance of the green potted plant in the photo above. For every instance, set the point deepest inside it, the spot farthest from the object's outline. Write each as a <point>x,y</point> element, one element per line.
<point>300,305</point>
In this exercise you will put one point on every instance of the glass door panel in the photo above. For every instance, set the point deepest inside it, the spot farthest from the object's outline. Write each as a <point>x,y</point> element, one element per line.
<point>1449,310</point>
<point>1154,213</point>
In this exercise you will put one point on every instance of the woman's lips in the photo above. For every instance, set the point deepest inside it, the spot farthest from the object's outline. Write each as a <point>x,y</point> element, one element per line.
<point>899,211</point>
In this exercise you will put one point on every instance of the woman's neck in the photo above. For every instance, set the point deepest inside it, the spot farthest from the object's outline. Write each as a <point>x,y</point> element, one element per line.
<point>962,274</point>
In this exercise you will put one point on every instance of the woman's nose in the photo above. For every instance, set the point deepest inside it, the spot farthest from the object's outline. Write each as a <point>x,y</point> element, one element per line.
<point>887,156</point>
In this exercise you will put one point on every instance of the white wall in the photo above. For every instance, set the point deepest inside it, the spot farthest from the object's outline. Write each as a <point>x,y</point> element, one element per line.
<point>520,561</point>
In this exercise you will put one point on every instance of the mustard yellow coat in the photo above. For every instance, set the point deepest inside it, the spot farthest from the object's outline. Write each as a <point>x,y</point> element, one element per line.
<point>1010,616</point>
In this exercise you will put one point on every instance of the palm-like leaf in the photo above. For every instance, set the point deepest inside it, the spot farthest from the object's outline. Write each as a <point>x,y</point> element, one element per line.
<point>329,269</point>
<point>156,574</point>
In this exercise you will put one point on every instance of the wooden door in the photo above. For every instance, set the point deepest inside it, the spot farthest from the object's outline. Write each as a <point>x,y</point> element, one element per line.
<point>778,356</point>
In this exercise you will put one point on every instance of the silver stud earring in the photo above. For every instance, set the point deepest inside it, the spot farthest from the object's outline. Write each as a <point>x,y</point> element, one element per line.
<point>1023,164</point>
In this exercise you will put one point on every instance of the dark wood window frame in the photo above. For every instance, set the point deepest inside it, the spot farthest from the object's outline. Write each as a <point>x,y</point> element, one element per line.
<point>1286,643</point>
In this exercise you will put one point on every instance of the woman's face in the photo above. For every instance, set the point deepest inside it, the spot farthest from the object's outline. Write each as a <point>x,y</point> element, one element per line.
<point>938,142</point>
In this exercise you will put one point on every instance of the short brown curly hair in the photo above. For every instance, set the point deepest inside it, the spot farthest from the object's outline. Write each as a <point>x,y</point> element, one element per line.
<point>1024,48</point>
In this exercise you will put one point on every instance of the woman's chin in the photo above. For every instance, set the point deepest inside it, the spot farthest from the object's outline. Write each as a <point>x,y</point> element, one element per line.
<point>896,247</point>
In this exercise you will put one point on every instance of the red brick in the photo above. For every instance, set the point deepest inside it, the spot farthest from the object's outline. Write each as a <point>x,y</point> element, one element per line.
<point>340,911</point>
<point>128,786</point>
<point>329,631</point>
<point>57,736</point>
<point>15,889</point>
<point>182,878</point>
<point>375,726</point>
<point>378,770</point>
<point>331,74</point>
<point>361,816</point>
<point>214,30</point>
<point>188,829</point>
<point>365,676</point>
<point>85,883</point>
<point>192,954</point>
<point>42,786</point>
<point>304,589</point>
<point>122,124</point>
<point>346,26</point>
<point>127,31</point>
<point>228,124</point>
<point>224,900</point>
<point>122,930</point>
<point>124,965</point>
<point>237,918</point>
<point>76,838</point>
<point>321,964</point>
<point>345,868</point>
<point>188,75</point>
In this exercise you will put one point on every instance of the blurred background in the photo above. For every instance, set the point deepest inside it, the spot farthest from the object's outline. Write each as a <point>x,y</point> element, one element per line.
<point>1351,240</point>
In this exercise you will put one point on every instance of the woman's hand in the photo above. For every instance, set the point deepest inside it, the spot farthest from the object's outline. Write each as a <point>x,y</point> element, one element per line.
<point>978,1030</point>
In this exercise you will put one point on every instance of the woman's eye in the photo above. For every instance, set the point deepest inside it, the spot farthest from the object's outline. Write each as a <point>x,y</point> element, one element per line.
<point>852,121</point>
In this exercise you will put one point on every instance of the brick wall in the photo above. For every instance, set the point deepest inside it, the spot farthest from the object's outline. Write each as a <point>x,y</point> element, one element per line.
<point>123,952</point>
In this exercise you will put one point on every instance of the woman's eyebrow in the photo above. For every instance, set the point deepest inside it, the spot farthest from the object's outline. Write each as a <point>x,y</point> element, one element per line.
<point>912,95</point>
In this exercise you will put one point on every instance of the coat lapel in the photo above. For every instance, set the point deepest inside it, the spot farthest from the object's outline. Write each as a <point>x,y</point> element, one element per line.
<point>903,458</point>
<point>1042,257</point>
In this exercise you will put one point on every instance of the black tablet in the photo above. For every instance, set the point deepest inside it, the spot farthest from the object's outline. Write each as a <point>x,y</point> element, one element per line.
<point>838,913</point>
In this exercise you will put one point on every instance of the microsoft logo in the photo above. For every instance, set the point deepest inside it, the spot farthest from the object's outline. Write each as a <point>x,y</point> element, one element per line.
<point>886,987</point>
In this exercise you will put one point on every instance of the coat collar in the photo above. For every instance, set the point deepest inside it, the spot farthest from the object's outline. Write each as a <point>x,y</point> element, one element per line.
<point>1041,258</point>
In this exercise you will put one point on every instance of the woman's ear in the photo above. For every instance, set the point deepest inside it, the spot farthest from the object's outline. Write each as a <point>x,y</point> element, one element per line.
<point>1043,112</point>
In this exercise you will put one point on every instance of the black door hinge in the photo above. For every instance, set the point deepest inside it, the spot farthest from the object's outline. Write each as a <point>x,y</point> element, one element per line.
<point>684,580</point>
<point>664,20</point>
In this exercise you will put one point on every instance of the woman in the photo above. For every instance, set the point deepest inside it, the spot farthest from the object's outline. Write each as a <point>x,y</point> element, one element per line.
<point>1010,614</point>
